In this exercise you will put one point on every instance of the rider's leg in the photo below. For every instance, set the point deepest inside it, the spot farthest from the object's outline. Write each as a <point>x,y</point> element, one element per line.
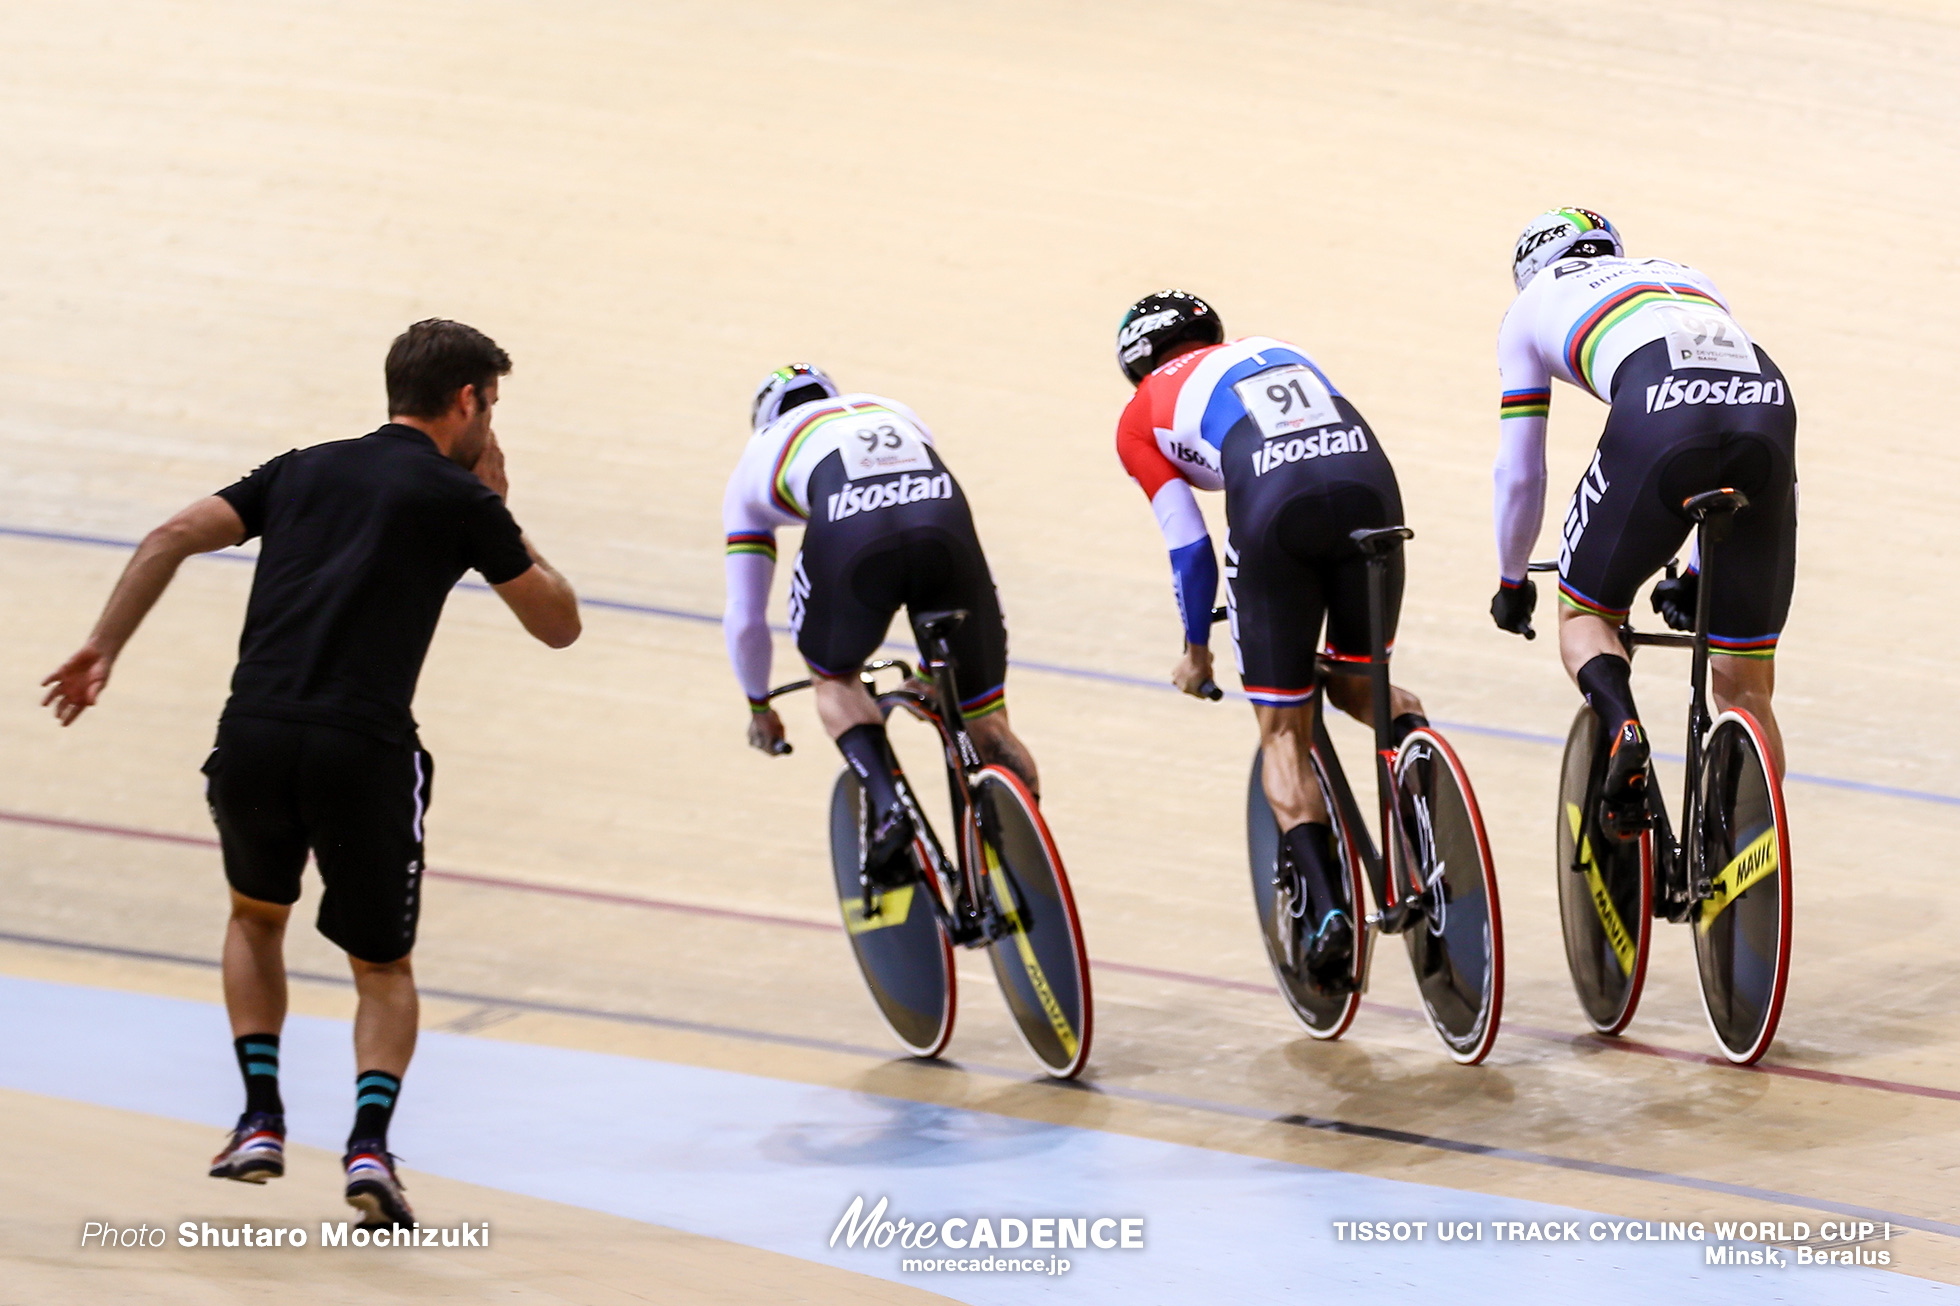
<point>1294,794</point>
<point>848,712</point>
<point>1597,662</point>
<point>1354,696</point>
<point>999,744</point>
<point>1747,683</point>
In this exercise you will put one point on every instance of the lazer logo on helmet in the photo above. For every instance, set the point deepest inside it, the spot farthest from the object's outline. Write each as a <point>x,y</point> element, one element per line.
<point>1532,240</point>
<point>1320,444</point>
<point>1671,393</point>
<point>854,499</point>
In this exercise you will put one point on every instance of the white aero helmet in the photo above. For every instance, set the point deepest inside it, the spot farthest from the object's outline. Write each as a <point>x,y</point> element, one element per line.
<point>1554,234</point>
<point>787,387</point>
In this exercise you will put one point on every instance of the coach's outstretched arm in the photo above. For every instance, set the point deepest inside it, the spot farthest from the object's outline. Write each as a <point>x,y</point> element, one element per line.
<point>208,524</point>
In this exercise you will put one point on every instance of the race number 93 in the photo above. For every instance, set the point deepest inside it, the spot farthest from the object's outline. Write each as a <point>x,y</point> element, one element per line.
<point>874,444</point>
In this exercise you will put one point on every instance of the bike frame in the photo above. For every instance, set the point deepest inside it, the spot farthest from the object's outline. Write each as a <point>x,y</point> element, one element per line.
<point>970,918</point>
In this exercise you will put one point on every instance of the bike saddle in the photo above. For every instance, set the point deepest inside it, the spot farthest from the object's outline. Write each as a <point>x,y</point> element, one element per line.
<point>1714,501</point>
<point>938,625</point>
<point>1385,539</point>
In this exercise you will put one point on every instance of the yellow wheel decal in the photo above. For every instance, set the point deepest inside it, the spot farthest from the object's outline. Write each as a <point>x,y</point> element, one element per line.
<point>893,906</point>
<point>1617,935</point>
<point>1752,865</point>
<point>1050,1006</point>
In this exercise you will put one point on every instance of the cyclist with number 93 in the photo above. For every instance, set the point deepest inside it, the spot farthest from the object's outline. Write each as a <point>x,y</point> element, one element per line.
<point>885,526</point>
<point>1300,469</point>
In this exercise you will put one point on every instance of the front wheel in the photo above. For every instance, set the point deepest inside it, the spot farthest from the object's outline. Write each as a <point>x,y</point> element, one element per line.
<point>1742,929</point>
<point>1457,950</point>
<point>1605,890</point>
<point>901,947</point>
<point>1040,962</point>
<point>1283,927</point>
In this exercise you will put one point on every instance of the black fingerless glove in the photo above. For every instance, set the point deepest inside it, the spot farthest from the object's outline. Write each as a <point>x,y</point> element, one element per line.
<point>1512,605</point>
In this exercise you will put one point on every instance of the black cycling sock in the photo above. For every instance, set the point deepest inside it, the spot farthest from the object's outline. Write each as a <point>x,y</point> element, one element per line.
<point>375,1092</point>
<point>1400,728</point>
<point>1607,683</point>
<point>258,1061</point>
<point>1312,846</point>
<point>869,752</point>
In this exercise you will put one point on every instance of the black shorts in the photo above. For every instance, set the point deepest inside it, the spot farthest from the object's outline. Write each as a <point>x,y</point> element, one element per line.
<point>1707,429</point>
<point>280,788</point>
<point>1289,506</point>
<point>882,543</point>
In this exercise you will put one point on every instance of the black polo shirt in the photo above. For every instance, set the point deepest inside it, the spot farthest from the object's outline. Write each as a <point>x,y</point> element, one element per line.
<point>364,539</point>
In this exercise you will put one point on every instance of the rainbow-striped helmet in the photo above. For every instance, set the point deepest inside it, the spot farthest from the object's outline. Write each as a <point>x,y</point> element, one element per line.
<point>787,388</point>
<point>1554,234</point>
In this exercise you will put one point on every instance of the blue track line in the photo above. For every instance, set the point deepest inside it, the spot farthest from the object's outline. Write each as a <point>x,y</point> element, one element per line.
<point>1046,668</point>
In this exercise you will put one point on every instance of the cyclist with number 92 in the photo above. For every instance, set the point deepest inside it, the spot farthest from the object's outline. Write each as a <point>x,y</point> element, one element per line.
<point>885,526</point>
<point>1300,469</point>
<point>1696,405</point>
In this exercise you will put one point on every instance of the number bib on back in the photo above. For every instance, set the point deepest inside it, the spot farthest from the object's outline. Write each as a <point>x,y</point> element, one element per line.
<point>1287,400</point>
<point>875,444</point>
<point>1702,336</point>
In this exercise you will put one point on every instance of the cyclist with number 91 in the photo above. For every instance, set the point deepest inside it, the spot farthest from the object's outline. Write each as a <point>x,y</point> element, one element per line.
<point>1696,405</point>
<point>1300,469</point>
<point>885,526</point>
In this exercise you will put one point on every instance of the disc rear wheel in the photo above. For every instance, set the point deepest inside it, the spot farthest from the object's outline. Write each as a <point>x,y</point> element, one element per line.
<point>1742,931</point>
<point>1605,891</point>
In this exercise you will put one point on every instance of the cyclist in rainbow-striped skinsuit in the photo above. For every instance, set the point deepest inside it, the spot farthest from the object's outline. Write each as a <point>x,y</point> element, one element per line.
<point>1696,405</point>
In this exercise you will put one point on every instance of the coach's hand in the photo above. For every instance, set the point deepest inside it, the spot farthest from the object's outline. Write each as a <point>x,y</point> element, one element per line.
<point>1511,608</point>
<point>78,683</point>
<point>490,468</point>
<point>1192,674</point>
<point>766,733</point>
<point>1675,597</point>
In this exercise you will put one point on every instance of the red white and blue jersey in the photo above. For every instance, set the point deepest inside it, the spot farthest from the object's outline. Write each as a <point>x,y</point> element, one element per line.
<point>1175,425</point>
<point>1171,439</point>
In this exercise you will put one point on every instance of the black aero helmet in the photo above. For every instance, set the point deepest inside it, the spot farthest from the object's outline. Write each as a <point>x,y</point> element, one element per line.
<point>1155,323</point>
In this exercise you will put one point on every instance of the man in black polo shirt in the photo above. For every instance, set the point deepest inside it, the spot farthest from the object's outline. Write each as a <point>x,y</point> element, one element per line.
<point>362,542</point>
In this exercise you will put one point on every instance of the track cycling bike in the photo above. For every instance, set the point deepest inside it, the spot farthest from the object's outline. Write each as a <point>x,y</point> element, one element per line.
<point>1002,890</point>
<point>1729,877</point>
<point>1432,876</point>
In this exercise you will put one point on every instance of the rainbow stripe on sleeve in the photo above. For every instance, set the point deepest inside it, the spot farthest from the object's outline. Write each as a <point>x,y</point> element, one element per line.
<point>779,477</point>
<point>1582,343</point>
<point>762,542</point>
<point>1525,403</point>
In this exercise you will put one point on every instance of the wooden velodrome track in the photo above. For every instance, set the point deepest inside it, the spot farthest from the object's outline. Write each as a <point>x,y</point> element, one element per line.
<point>218,214</point>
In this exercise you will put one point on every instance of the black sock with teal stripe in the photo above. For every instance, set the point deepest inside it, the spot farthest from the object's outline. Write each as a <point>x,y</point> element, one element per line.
<point>375,1092</point>
<point>258,1061</point>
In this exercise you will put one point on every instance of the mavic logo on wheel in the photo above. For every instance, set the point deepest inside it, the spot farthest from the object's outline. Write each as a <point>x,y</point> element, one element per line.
<point>1671,393</point>
<point>1592,488</point>
<point>1301,448</point>
<point>893,907</point>
<point>854,499</point>
<point>1752,865</point>
<point>1615,929</point>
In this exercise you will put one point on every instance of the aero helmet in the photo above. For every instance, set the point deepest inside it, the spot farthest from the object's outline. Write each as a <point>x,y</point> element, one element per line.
<point>1557,233</point>
<point>787,387</point>
<point>1156,322</point>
